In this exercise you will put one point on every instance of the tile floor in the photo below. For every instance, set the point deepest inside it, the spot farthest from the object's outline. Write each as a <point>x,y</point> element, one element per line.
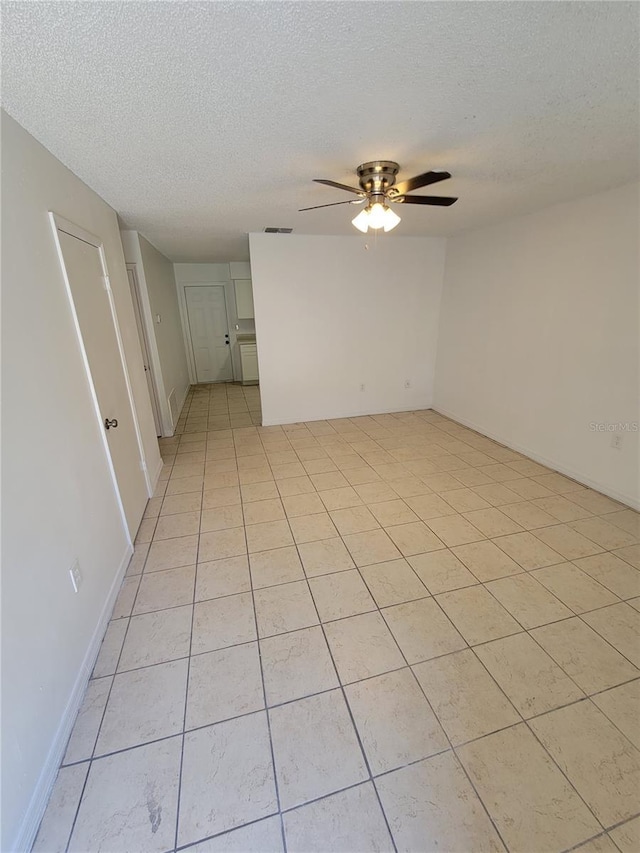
<point>370,634</point>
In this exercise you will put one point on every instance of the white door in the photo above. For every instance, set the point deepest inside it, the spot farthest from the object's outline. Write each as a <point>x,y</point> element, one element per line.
<point>95,318</point>
<point>144,346</point>
<point>207,313</point>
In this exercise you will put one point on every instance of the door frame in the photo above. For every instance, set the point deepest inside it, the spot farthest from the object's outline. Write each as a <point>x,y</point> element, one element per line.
<point>190,354</point>
<point>149,366</point>
<point>73,230</point>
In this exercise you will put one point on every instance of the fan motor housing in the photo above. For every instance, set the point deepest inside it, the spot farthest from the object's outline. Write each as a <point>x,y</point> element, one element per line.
<point>378,175</point>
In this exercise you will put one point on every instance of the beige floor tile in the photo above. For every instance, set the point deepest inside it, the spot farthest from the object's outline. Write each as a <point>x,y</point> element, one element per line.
<point>172,553</point>
<point>415,732</point>
<point>144,705</point>
<point>110,648</point>
<point>146,531</point>
<point>601,844</point>
<point>168,588</point>
<point>625,519</point>
<point>221,518</point>
<point>528,489</point>
<point>268,535</point>
<point>622,707</point>
<point>340,498</point>
<point>427,507</point>
<point>85,729</point>
<point>263,836</point>
<point>608,536</point>
<point>307,735</point>
<point>528,601</point>
<point>181,524</point>
<point>328,555</point>
<point>214,498</point>
<point>156,638</point>
<point>281,565</point>
<point>330,480</point>
<point>136,564</point>
<point>599,761</point>
<point>620,626</point>
<point>224,684</point>
<point>350,820</point>
<point>431,806</point>
<point>322,465</point>
<point>390,513</point>
<point>126,597</point>
<point>562,508</point>
<point>376,492</point>
<point>374,546</point>
<point>496,494</point>
<point>441,571</point>
<point>393,583</point>
<point>553,817</point>
<point>530,678</point>
<point>361,475</point>
<point>572,586</point>
<point>354,520</point>
<point>613,573</point>
<point>296,665</point>
<point>227,777</point>
<point>486,560</point>
<point>477,615</point>
<point>223,622</point>
<point>465,500</point>
<point>220,479</point>
<point>630,554</point>
<point>222,577</point>
<point>130,800</point>
<point>341,594</point>
<point>455,530</point>
<point>627,836</point>
<point>260,474</point>
<point>257,512</point>
<point>528,515</point>
<point>303,505</point>
<point>635,603</point>
<point>582,653</point>
<point>295,486</point>
<point>284,608</point>
<point>414,538</point>
<point>57,822</point>
<point>567,542</point>
<point>220,544</point>
<point>492,522</point>
<point>410,487</point>
<point>466,699</point>
<point>362,646</point>
<point>312,528</point>
<point>258,492</point>
<point>422,630</point>
<point>528,551</point>
<point>183,485</point>
<point>596,503</point>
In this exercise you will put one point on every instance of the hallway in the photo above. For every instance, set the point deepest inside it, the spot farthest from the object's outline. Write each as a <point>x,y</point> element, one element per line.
<point>370,634</point>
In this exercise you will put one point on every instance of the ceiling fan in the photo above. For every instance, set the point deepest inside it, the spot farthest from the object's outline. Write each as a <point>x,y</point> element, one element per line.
<point>378,188</point>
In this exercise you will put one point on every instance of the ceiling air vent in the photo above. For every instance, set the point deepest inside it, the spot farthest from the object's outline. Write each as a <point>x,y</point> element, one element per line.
<point>271,230</point>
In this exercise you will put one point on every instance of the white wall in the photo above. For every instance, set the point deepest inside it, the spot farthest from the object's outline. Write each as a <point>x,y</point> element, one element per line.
<point>332,315</point>
<point>159,296</point>
<point>203,274</point>
<point>58,497</point>
<point>539,336</point>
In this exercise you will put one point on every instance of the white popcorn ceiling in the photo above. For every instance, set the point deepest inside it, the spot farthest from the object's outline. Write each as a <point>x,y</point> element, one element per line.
<point>202,121</point>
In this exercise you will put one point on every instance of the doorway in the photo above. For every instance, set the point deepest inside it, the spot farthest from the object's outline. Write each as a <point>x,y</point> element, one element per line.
<point>85,272</point>
<point>144,346</point>
<point>209,332</point>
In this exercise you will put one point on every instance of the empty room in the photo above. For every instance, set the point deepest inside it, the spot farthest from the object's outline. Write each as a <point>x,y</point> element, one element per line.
<point>320,426</point>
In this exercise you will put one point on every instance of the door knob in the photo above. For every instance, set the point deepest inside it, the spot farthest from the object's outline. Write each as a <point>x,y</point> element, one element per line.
<point>110,423</point>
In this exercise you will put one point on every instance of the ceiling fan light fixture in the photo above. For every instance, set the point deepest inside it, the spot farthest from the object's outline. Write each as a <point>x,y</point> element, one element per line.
<point>361,221</point>
<point>377,215</point>
<point>391,219</point>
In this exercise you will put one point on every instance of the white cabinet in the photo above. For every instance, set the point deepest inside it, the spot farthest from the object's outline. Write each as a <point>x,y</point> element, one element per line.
<point>244,299</point>
<point>249,360</point>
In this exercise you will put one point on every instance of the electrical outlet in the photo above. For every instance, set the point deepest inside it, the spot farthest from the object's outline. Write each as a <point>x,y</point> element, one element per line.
<point>616,441</point>
<point>76,576</point>
<point>362,387</point>
<point>407,383</point>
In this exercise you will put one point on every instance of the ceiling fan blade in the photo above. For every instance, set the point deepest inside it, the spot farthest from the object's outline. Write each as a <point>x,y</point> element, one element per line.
<point>420,181</point>
<point>442,200</point>
<point>333,204</point>
<point>338,186</point>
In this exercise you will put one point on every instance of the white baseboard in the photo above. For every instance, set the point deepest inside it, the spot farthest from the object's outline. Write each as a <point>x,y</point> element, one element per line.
<point>578,476</point>
<point>155,476</point>
<point>40,797</point>
<point>308,417</point>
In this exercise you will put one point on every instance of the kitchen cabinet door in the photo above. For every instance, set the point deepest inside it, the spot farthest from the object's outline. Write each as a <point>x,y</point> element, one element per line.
<point>244,299</point>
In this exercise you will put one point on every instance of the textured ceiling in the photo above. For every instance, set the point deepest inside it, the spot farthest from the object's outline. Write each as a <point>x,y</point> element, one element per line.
<point>202,121</point>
